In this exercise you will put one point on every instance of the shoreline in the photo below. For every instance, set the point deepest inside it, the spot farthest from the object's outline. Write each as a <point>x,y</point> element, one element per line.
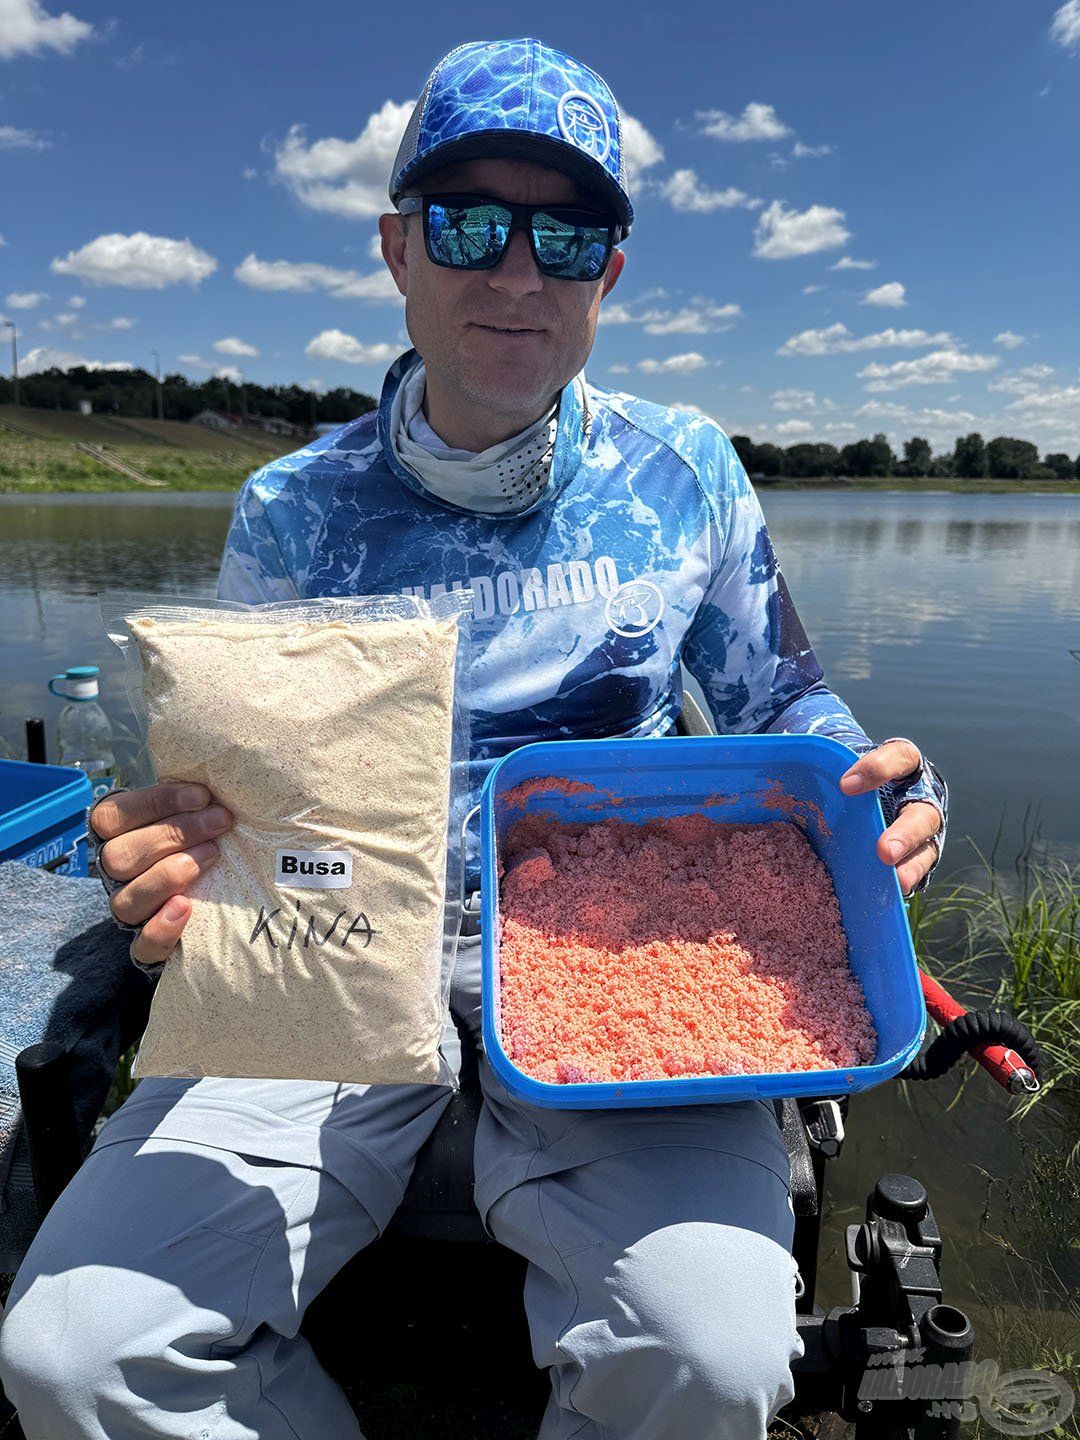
<point>13,488</point>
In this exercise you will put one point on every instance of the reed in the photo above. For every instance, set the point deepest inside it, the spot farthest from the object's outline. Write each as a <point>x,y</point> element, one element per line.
<point>1010,938</point>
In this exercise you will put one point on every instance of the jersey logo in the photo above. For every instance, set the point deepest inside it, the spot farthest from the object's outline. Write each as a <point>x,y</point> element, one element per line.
<point>584,124</point>
<point>635,608</point>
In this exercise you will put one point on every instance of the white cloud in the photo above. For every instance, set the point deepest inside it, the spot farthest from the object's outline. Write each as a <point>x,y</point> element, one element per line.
<point>689,405</point>
<point>847,263</point>
<point>810,152</point>
<point>45,358</point>
<point>838,340</point>
<point>230,373</point>
<point>757,122</point>
<point>812,289</point>
<point>76,302</point>
<point>26,29</point>
<point>684,191</point>
<point>336,345</point>
<point>1051,417</point>
<point>25,299</point>
<point>232,346</point>
<point>195,360</point>
<point>890,295</point>
<point>614,313</point>
<point>618,369</point>
<point>934,423</point>
<point>11,137</point>
<point>139,261</point>
<point>1025,381</point>
<point>1009,339</point>
<point>304,276</point>
<point>1043,400</point>
<point>640,149</point>
<point>1065,29</point>
<point>693,320</point>
<point>345,177</point>
<point>674,364</point>
<point>782,233</point>
<point>700,317</point>
<point>793,400</point>
<point>120,322</point>
<point>794,427</point>
<point>374,250</point>
<point>940,367</point>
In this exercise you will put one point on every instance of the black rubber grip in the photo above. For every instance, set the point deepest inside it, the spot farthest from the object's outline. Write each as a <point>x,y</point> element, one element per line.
<point>975,1027</point>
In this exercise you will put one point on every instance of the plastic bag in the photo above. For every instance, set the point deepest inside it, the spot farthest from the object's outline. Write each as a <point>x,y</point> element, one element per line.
<point>321,943</point>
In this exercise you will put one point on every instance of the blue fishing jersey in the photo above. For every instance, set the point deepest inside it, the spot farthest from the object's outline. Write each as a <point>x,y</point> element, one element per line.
<point>648,549</point>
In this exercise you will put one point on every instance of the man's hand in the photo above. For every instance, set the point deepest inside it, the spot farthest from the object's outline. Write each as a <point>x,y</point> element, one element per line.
<point>158,840</point>
<point>908,842</point>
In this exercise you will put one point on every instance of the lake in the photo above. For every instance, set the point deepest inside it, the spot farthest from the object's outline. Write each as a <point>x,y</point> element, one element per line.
<point>948,618</point>
<point>952,619</point>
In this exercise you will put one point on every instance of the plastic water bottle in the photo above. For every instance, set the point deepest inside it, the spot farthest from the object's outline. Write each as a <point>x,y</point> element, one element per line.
<point>83,734</point>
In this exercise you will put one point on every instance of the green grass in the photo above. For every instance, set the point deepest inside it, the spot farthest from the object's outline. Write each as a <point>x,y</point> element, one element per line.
<point>184,457</point>
<point>1012,938</point>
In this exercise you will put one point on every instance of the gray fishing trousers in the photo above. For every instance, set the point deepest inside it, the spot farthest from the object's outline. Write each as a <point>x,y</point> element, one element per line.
<point>163,1294</point>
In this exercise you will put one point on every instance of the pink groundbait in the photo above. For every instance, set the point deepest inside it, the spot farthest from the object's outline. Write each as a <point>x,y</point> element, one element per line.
<point>681,946</point>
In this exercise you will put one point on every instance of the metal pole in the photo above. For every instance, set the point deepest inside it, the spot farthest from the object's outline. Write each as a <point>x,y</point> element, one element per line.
<point>160,392</point>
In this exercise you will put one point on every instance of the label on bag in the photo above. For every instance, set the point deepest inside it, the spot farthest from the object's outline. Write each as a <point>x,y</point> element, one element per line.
<point>313,869</point>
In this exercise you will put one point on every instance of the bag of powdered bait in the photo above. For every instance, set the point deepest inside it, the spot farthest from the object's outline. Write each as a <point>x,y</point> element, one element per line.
<point>320,944</point>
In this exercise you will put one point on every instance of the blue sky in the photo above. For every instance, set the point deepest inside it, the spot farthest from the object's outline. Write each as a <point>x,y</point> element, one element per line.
<point>850,216</point>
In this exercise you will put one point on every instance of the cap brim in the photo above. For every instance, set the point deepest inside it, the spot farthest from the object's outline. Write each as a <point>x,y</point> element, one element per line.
<point>520,145</point>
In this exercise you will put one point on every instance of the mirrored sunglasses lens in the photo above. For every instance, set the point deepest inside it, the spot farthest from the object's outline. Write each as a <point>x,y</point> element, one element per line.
<point>573,250</point>
<point>467,235</point>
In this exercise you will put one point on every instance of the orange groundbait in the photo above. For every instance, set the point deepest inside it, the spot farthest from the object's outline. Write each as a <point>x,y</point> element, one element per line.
<point>682,946</point>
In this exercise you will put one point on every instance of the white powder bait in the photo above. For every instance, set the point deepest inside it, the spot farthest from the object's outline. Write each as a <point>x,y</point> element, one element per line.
<point>315,946</point>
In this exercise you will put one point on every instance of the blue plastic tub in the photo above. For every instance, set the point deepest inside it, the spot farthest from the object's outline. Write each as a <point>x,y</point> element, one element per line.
<point>676,775</point>
<point>43,816</point>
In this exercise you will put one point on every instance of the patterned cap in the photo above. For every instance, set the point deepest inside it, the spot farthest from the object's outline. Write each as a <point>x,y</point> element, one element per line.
<point>517,98</point>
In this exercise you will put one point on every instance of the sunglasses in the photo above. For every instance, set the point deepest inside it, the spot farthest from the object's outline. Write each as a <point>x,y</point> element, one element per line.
<point>471,232</point>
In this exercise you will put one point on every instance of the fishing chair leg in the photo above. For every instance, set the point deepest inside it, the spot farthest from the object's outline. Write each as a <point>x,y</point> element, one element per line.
<point>48,1112</point>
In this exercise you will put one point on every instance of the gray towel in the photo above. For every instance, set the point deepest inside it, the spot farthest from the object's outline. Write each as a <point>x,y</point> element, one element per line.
<point>65,975</point>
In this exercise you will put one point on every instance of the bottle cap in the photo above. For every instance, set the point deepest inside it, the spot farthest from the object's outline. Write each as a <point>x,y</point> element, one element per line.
<point>79,683</point>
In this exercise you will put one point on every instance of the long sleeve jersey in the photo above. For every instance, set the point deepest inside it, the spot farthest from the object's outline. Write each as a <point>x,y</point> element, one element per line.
<point>648,550</point>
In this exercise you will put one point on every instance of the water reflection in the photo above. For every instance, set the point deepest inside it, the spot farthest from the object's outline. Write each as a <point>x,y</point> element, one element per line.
<point>946,617</point>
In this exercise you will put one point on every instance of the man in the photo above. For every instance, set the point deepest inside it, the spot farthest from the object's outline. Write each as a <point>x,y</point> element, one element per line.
<point>606,540</point>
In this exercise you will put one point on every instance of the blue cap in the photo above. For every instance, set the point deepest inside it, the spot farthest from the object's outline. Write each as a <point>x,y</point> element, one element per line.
<point>517,98</point>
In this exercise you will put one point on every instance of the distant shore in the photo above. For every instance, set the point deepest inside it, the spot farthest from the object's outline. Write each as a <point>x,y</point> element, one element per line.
<point>214,477</point>
<point>66,453</point>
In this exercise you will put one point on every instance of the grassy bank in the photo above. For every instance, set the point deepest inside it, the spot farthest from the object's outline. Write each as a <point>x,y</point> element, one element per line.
<point>42,453</point>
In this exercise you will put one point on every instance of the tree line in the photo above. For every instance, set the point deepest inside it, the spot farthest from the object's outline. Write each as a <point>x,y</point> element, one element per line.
<point>971,458</point>
<point>135,393</point>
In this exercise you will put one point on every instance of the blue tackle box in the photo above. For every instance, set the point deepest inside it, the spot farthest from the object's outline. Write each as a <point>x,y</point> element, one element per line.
<point>43,816</point>
<point>727,778</point>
